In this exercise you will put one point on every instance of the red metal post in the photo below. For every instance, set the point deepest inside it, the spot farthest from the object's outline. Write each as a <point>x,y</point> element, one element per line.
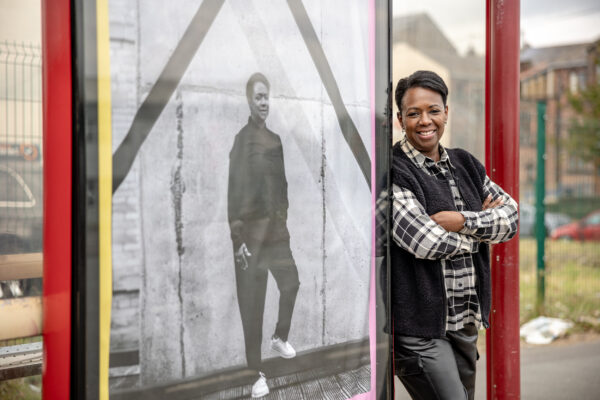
<point>502,109</point>
<point>57,125</point>
<point>488,166</point>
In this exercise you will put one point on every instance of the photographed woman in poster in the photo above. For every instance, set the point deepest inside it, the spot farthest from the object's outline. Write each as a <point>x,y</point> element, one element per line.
<point>446,211</point>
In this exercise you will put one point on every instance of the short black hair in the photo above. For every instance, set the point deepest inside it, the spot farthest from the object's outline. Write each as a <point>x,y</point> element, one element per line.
<point>423,79</point>
<point>256,77</point>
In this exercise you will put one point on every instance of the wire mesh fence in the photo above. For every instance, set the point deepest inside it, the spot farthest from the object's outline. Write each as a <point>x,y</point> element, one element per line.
<point>564,279</point>
<point>21,147</point>
<point>21,204</point>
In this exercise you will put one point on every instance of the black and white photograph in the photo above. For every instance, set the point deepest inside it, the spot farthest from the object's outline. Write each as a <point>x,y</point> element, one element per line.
<point>241,211</point>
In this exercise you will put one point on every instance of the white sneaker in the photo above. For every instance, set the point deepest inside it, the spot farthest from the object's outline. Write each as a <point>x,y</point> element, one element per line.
<point>284,349</point>
<point>15,288</point>
<point>260,388</point>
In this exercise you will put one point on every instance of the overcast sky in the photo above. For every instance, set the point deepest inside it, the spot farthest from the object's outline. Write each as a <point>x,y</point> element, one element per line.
<point>21,21</point>
<point>543,22</point>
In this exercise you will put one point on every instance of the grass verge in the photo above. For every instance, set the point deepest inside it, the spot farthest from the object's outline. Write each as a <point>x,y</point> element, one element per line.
<point>572,282</point>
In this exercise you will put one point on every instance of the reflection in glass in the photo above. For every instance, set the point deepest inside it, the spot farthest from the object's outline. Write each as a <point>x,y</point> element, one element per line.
<point>449,39</point>
<point>21,199</point>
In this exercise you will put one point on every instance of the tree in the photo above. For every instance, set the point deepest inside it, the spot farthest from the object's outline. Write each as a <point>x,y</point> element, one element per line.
<point>584,130</point>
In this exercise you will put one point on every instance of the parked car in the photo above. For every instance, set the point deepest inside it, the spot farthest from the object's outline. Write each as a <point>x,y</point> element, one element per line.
<point>21,208</point>
<point>21,212</point>
<point>587,228</point>
<point>527,220</point>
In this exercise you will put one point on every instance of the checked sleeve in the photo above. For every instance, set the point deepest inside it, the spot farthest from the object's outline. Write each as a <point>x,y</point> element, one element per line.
<point>414,231</point>
<point>494,225</point>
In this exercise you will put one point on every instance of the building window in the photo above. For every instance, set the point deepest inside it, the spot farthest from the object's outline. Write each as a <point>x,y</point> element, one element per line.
<point>582,80</point>
<point>550,84</point>
<point>578,166</point>
<point>573,82</point>
<point>525,134</point>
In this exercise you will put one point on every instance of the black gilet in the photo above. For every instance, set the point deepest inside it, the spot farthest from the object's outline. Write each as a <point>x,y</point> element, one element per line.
<point>417,286</point>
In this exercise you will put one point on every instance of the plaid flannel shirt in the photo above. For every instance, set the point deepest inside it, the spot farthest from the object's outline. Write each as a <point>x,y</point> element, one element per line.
<point>414,231</point>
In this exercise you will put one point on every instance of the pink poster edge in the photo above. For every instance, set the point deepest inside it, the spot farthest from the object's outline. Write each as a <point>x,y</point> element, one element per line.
<point>372,393</point>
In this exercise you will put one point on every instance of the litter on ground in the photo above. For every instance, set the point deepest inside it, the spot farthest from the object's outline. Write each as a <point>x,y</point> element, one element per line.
<point>543,330</point>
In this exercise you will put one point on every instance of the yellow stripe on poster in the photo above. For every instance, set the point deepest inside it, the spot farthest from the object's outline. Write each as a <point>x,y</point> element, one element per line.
<point>104,189</point>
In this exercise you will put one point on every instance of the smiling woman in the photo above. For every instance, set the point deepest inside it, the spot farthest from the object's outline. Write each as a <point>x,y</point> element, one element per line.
<point>446,212</point>
<point>423,111</point>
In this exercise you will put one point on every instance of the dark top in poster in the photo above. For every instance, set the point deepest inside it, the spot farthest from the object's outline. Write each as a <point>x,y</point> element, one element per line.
<point>257,205</point>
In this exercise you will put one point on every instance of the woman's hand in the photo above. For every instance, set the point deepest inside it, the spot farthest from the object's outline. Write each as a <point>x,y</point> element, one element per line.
<point>489,203</point>
<point>241,256</point>
<point>451,221</point>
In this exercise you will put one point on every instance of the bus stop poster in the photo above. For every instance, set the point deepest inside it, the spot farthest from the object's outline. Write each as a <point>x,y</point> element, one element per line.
<point>242,206</point>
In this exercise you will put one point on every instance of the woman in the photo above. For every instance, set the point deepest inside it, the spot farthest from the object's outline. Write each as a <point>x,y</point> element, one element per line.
<point>446,211</point>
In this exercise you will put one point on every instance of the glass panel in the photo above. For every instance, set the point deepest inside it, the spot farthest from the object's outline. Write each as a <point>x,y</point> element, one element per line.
<point>558,270</point>
<point>449,39</point>
<point>21,198</point>
<point>242,241</point>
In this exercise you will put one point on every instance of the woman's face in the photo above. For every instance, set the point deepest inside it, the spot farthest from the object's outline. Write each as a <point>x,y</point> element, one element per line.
<point>424,117</point>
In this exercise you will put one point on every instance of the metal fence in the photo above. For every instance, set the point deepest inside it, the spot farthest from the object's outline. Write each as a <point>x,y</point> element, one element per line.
<point>559,258</point>
<point>21,165</point>
<point>21,189</point>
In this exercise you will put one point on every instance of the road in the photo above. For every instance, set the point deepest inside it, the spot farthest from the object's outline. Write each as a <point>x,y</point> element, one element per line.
<point>553,372</point>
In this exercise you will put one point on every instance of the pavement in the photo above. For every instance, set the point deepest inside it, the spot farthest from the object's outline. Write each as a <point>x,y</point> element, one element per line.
<point>565,369</point>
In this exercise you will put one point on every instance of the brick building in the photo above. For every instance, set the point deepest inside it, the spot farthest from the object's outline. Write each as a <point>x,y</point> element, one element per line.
<point>551,74</point>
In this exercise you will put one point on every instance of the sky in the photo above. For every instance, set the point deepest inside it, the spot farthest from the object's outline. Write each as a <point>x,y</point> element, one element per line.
<point>543,22</point>
<point>547,23</point>
<point>21,21</point>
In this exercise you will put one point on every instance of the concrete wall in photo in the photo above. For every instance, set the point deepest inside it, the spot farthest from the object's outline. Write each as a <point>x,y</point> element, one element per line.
<point>173,262</point>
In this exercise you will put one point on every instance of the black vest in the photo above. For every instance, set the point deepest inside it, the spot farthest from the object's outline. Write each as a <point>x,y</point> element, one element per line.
<point>418,294</point>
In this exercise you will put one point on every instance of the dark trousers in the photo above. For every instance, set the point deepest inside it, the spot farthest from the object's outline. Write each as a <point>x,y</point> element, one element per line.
<point>441,369</point>
<point>252,289</point>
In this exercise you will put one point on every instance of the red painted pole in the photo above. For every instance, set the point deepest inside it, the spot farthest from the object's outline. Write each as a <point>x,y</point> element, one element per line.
<point>503,142</point>
<point>57,125</point>
<point>488,167</point>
